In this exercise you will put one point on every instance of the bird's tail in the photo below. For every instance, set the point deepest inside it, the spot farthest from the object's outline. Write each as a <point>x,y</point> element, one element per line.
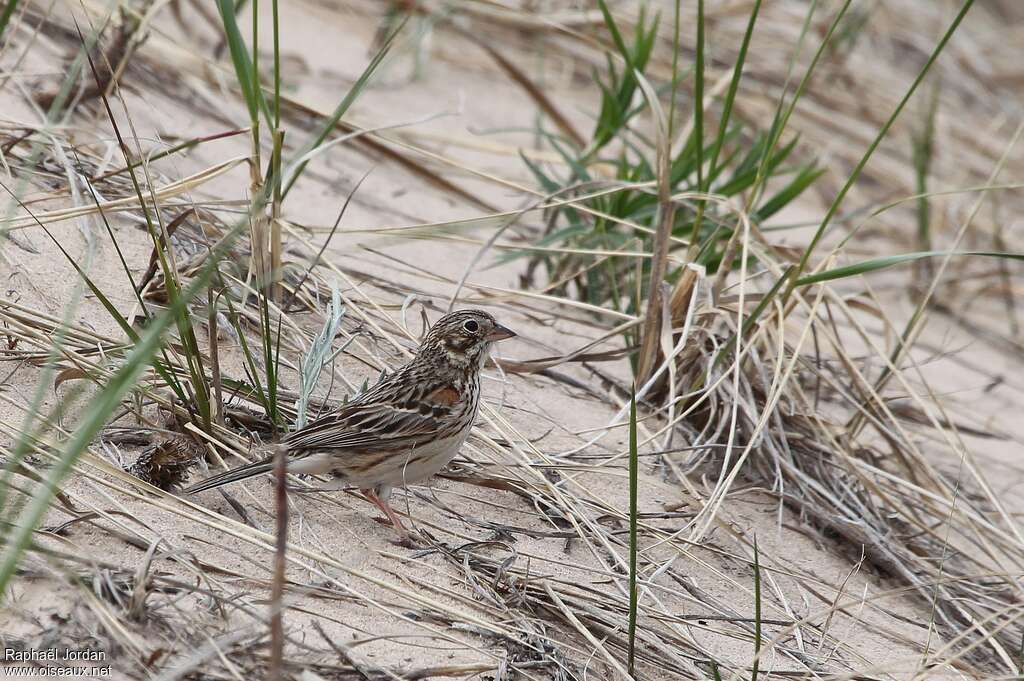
<point>234,475</point>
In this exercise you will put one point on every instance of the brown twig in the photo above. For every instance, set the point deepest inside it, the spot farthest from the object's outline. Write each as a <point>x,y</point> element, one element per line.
<point>280,560</point>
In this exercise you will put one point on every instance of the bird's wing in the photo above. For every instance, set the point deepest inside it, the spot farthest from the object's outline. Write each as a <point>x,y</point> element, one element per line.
<point>397,413</point>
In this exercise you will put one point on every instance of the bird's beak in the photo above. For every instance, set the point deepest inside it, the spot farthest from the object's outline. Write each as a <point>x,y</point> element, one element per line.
<point>498,333</point>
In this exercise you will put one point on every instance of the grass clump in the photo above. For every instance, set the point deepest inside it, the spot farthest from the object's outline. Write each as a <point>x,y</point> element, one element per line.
<point>615,176</point>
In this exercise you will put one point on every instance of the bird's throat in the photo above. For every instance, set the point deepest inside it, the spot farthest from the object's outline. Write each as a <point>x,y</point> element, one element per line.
<point>464,355</point>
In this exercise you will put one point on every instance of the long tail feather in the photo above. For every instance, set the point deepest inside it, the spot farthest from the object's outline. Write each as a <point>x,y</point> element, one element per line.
<point>234,475</point>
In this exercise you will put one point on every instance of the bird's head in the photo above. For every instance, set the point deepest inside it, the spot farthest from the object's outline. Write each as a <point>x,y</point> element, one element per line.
<point>463,337</point>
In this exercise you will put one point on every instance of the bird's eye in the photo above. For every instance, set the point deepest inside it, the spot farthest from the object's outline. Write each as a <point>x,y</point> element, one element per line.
<point>471,326</point>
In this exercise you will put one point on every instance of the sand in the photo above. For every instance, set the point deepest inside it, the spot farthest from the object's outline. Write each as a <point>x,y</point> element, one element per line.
<point>171,587</point>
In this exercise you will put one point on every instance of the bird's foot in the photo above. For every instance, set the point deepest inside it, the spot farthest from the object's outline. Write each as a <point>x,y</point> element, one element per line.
<point>411,540</point>
<point>404,538</point>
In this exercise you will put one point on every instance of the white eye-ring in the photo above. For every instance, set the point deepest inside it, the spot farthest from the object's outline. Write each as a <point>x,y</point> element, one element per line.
<point>471,326</point>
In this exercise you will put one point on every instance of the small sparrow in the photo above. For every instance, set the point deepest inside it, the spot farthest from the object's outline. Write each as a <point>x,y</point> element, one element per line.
<point>403,429</point>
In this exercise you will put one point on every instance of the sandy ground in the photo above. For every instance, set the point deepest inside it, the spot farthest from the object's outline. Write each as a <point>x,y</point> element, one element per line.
<point>350,588</point>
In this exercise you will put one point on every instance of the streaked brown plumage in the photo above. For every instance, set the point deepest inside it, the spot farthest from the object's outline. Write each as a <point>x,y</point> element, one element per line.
<point>403,429</point>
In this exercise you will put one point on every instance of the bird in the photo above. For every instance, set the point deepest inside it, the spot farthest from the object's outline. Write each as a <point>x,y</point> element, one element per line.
<point>404,429</point>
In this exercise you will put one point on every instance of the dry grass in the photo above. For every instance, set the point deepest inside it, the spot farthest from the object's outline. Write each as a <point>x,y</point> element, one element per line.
<point>823,408</point>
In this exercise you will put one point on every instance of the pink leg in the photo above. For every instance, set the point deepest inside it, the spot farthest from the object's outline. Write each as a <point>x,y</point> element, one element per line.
<point>386,509</point>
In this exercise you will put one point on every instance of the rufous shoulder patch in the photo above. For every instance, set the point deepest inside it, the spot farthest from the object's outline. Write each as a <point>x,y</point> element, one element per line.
<point>446,395</point>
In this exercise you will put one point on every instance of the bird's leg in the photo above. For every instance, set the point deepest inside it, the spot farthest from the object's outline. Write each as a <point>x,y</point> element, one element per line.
<point>385,507</point>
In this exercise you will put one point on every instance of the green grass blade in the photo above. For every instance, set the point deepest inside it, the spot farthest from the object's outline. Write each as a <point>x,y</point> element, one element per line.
<point>244,69</point>
<point>22,445</point>
<point>5,18</point>
<point>783,112</point>
<point>616,101</point>
<point>804,179</point>
<point>698,100</point>
<point>620,44</point>
<point>891,260</point>
<point>269,364</point>
<point>277,66</point>
<point>250,362</point>
<point>254,73</point>
<point>730,96</point>
<point>293,173</point>
<point>1020,656</point>
<point>161,241</point>
<point>698,127</point>
<point>757,613</point>
<point>675,71</point>
<point>855,175</point>
<point>101,408</point>
<point>165,372</point>
<point>922,150</point>
<point>633,476</point>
